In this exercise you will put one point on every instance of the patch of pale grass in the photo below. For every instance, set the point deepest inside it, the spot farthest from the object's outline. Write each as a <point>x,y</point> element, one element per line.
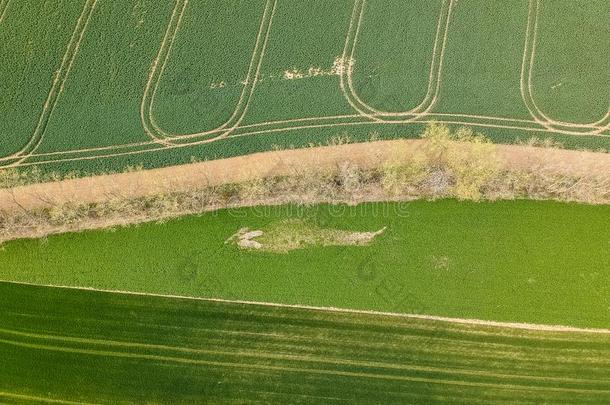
<point>293,234</point>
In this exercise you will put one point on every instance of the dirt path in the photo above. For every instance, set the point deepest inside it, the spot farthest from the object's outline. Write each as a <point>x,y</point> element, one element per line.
<point>276,163</point>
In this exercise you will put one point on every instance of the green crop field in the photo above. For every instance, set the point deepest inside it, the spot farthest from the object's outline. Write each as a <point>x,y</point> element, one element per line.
<point>449,300</point>
<point>511,261</point>
<point>98,85</point>
<point>92,347</point>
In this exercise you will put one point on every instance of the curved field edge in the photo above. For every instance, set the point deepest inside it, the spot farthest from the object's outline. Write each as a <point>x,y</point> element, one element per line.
<point>26,37</point>
<point>218,351</point>
<point>499,261</point>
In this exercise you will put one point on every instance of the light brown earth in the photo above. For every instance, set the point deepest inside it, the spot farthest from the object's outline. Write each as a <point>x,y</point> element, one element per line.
<point>275,163</point>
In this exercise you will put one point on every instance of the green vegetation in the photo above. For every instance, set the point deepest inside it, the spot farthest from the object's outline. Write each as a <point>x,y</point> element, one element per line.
<point>566,49</point>
<point>291,234</point>
<point>109,348</point>
<point>207,65</point>
<point>255,67</point>
<point>518,261</point>
<point>33,35</point>
<point>392,59</point>
<point>445,164</point>
<point>90,86</point>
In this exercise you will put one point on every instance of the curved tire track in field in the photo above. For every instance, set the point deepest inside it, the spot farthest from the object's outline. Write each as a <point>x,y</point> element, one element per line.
<point>3,7</point>
<point>57,87</point>
<point>527,73</point>
<point>434,80</point>
<point>149,124</point>
<point>237,130</point>
<point>345,121</point>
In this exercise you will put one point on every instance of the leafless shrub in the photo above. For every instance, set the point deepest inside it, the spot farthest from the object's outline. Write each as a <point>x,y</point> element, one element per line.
<point>460,164</point>
<point>534,141</point>
<point>254,190</point>
<point>339,139</point>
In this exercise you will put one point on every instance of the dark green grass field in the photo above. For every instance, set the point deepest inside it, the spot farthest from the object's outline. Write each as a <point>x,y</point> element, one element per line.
<point>93,85</point>
<point>518,261</point>
<point>92,347</point>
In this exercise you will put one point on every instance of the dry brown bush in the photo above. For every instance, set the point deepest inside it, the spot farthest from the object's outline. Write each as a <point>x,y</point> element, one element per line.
<point>460,164</point>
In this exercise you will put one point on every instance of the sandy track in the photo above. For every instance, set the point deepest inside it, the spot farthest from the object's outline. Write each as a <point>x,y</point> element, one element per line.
<point>266,164</point>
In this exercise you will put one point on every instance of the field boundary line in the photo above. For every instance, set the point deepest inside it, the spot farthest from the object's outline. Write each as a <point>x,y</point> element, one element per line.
<point>462,321</point>
<point>368,122</point>
<point>149,124</point>
<point>145,143</point>
<point>273,123</point>
<point>527,86</point>
<point>57,86</point>
<point>435,75</point>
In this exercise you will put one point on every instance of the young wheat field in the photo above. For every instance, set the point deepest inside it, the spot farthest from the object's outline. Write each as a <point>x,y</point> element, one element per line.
<point>99,85</point>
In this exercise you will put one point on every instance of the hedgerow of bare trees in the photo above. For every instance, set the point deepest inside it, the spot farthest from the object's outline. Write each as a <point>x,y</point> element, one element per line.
<point>457,164</point>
